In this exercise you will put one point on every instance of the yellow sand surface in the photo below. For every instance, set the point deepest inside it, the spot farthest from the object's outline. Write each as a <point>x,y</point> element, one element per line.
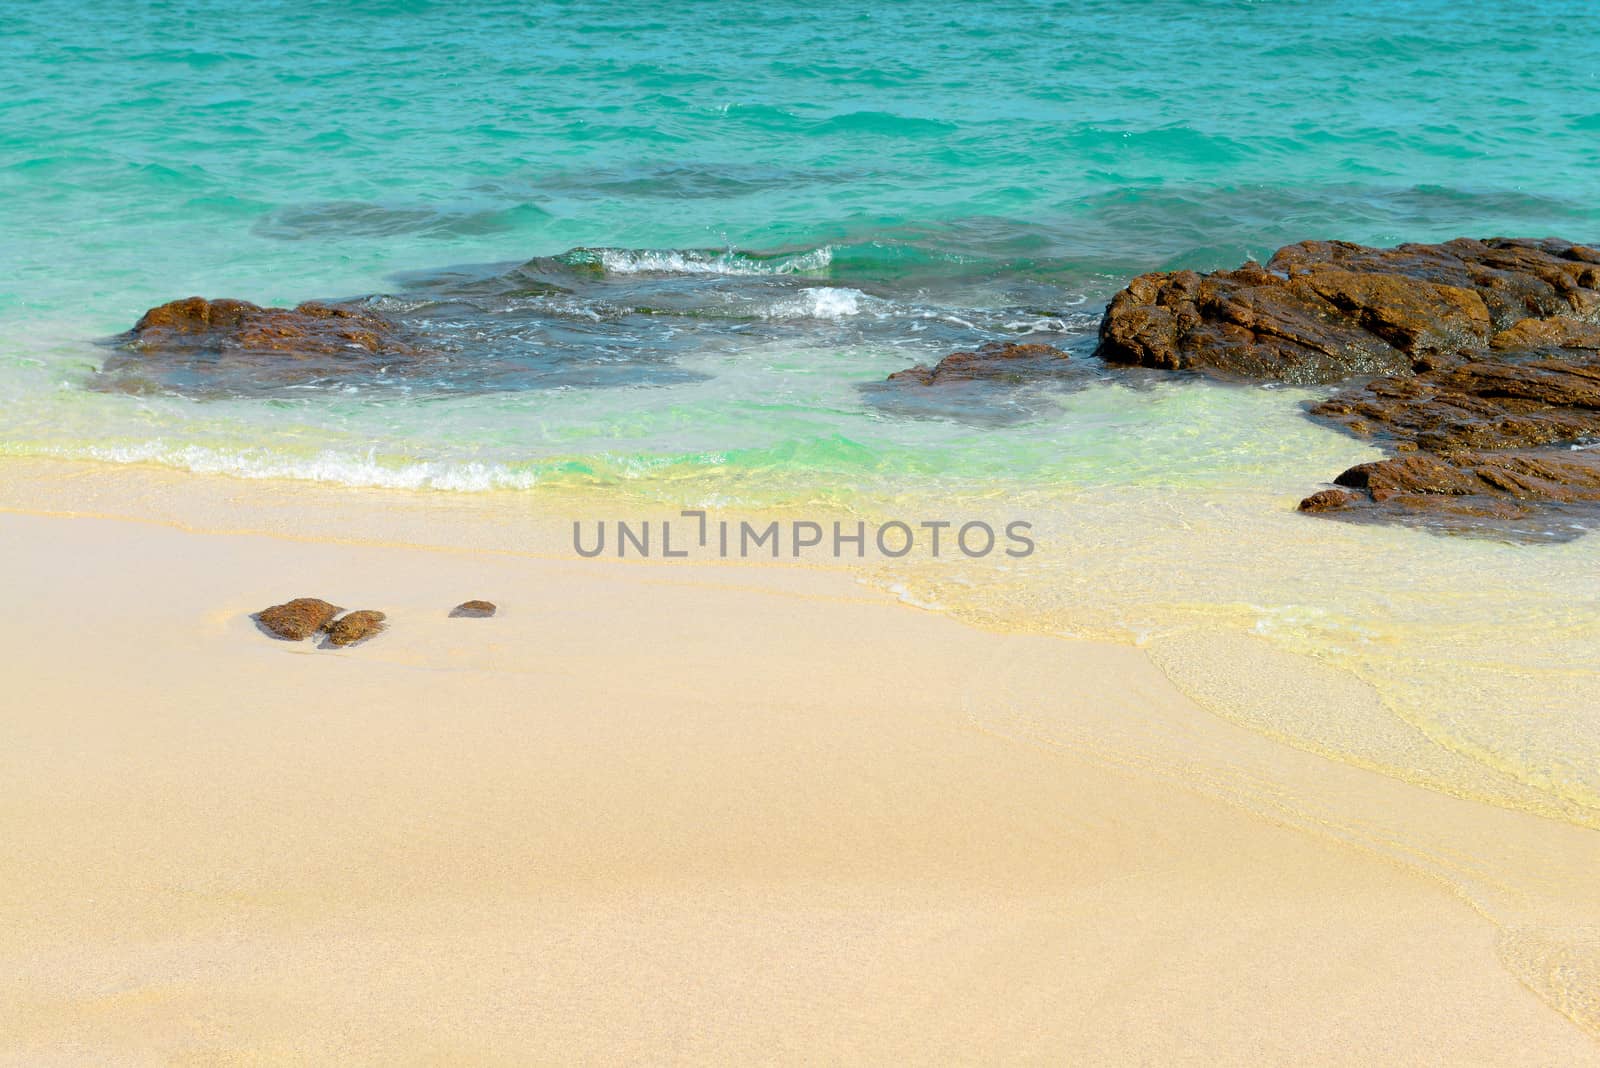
<point>665,812</point>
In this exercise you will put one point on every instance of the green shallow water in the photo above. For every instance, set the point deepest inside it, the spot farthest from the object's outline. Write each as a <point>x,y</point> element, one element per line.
<point>675,247</point>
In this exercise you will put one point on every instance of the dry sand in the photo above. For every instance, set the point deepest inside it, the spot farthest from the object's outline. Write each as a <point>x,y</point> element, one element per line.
<point>652,812</point>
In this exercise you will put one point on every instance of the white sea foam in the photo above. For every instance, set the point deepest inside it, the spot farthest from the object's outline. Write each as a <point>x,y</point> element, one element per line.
<point>824,303</point>
<point>694,261</point>
<point>905,596</point>
<point>368,470</point>
<point>345,469</point>
<point>1037,326</point>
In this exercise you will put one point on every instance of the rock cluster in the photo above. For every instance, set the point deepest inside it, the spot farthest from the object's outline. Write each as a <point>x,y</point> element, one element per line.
<point>303,617</point>
<point>299,619</point>
<point>1475,364</point>
<point>1486,356</point>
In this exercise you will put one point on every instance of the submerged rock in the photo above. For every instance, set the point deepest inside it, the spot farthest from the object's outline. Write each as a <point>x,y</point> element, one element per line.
<point>298,619</point>
<point>1000,383</point>
<point>355,627</point>
<point>204,346</point>
<point>1483,359</point>
<point>1006,361</point>
<point>473,610</point>
<point>1322,311</point>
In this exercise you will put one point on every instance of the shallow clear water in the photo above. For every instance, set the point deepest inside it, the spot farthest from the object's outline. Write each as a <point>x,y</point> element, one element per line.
<point>922,179</point>
<point>672,250</point>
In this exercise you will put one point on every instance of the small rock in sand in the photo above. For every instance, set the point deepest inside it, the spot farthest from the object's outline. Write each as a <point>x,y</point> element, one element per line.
<point>355,627</point>
<point>473,610</point>
<point>298,619</point>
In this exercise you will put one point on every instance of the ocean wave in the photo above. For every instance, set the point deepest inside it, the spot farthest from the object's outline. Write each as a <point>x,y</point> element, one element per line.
<point>623,261</point>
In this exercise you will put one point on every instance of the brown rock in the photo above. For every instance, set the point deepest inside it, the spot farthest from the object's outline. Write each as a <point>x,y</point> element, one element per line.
<point>1486,356</point>
<point>473,610</point>
<point>202,346</point>
<point>1510,400</point>
<point>1321,311</point>
<point>298,619</point>
<point>1558,333</point>
<point>1327,500</point>
<point>312,328</point>
<point>1414,474</point>
<point>193,315</point>
<point>1006,361</point>
<point>1504,437</point>
<point>355,627</point>
<point>1513,493</point>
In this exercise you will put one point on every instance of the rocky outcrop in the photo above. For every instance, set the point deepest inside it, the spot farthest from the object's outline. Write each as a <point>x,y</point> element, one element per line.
<point>355,627</point>
<point>1460,489</point>
<point>1003,361</point>
<point>201,346</point>
<point>1509,438</point>
<point>298,619</point>
<point>473,610</point>
<point>1324,311</point>
<point>1505,401</point>
<point>1482,361</point>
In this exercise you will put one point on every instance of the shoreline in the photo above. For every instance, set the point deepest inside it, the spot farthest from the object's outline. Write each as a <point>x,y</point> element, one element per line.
<point>954,843</point>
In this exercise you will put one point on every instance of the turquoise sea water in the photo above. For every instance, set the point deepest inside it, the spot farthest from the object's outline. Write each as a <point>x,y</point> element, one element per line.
<point>815,194</point>
<point>905,180</point>
<point>671,248</point>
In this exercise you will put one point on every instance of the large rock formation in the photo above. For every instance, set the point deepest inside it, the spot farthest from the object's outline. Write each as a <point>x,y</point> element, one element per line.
<point>1323,311</point>
<point>204,346</point>
<point>1487,355</point>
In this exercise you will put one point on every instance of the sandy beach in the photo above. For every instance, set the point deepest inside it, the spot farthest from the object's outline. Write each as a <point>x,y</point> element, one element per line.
<point>667,812</point>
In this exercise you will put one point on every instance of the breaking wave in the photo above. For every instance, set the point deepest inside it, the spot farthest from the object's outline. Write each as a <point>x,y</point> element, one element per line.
<point>623,261</point>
